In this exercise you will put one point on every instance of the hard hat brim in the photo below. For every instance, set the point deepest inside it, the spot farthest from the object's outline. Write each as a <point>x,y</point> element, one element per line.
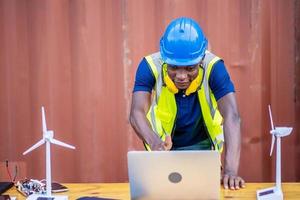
<point>181,62</point>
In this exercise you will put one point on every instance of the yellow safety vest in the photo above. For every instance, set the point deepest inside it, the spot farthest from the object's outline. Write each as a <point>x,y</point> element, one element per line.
<point>163,109</point>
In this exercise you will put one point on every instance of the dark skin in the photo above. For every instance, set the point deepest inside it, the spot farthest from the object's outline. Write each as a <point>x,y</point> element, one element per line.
<point>182,77</point>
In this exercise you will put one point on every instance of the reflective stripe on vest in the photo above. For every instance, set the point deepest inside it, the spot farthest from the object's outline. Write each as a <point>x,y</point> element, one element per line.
<point>163,110</point>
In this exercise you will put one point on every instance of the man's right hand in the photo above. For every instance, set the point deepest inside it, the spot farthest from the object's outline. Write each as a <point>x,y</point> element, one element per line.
<point>141,102</point>
<point>160,145</point>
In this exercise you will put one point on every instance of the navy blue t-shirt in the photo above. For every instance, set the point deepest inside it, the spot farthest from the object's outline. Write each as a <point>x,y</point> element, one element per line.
<point>189,125</point>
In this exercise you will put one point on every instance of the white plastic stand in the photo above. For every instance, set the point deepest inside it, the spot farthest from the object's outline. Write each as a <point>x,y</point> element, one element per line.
<point>46,197</point>
<point>272,193</point>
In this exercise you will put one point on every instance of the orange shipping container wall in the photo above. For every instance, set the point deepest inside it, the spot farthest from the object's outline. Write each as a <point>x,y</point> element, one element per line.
<point>78,59</point>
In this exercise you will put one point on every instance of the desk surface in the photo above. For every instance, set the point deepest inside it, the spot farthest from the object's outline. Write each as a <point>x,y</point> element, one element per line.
<point>121,191</point>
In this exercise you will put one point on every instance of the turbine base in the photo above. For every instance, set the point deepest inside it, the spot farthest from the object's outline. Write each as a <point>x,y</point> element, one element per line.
<point>272,193</point>
<point>45,197</point>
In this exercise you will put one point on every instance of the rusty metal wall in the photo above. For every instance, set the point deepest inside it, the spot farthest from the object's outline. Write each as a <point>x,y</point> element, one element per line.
<point>78,59</point>
<point>297,81</point>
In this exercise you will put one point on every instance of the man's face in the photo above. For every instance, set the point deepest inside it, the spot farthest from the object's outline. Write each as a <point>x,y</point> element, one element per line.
<point>182,76</point>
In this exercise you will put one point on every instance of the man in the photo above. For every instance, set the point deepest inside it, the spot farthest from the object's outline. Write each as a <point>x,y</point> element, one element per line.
<point>193,100</point>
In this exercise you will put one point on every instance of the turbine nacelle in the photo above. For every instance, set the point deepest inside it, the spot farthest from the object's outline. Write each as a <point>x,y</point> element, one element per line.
<point>48,135</point>
<point>281,131</point>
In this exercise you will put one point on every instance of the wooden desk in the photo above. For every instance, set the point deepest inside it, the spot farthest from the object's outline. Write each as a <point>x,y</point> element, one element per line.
<point>121,191</point>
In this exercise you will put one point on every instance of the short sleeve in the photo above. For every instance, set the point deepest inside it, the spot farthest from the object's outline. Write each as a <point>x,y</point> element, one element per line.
<point>219,81</point>
<point>144,79</point>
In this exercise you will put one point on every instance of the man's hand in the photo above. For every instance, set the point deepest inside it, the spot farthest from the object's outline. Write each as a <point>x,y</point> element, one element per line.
<point>159,145</point>
<point>232,181</point>
<point>168,143</point>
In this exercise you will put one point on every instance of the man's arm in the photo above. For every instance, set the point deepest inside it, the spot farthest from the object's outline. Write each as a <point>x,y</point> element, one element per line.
<point>232,132</point>
<point>139,107</point>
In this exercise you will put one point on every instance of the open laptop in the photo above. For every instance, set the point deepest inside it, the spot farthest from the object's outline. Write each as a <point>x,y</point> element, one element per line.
<point>174,175</point>
<point>4,186</point>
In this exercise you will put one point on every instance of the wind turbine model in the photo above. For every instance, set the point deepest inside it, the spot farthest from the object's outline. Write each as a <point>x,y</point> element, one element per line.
<point>275,193</point>
<point>48,139</point>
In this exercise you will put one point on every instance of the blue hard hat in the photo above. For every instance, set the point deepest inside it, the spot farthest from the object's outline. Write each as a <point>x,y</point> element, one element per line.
<point>183,43</point>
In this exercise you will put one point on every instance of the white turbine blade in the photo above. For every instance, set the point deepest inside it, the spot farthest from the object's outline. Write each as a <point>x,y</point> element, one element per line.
<point>44,120</point>
<point>57,142</point>
<point>271,119</point>
<point>272,144</point>
<point>39,143</point>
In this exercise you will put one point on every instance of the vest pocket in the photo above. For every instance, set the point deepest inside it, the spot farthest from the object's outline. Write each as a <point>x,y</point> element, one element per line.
<point>166,119</point>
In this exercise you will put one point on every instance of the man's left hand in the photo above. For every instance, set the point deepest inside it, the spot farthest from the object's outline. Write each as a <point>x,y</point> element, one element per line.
<point>232,181</point>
